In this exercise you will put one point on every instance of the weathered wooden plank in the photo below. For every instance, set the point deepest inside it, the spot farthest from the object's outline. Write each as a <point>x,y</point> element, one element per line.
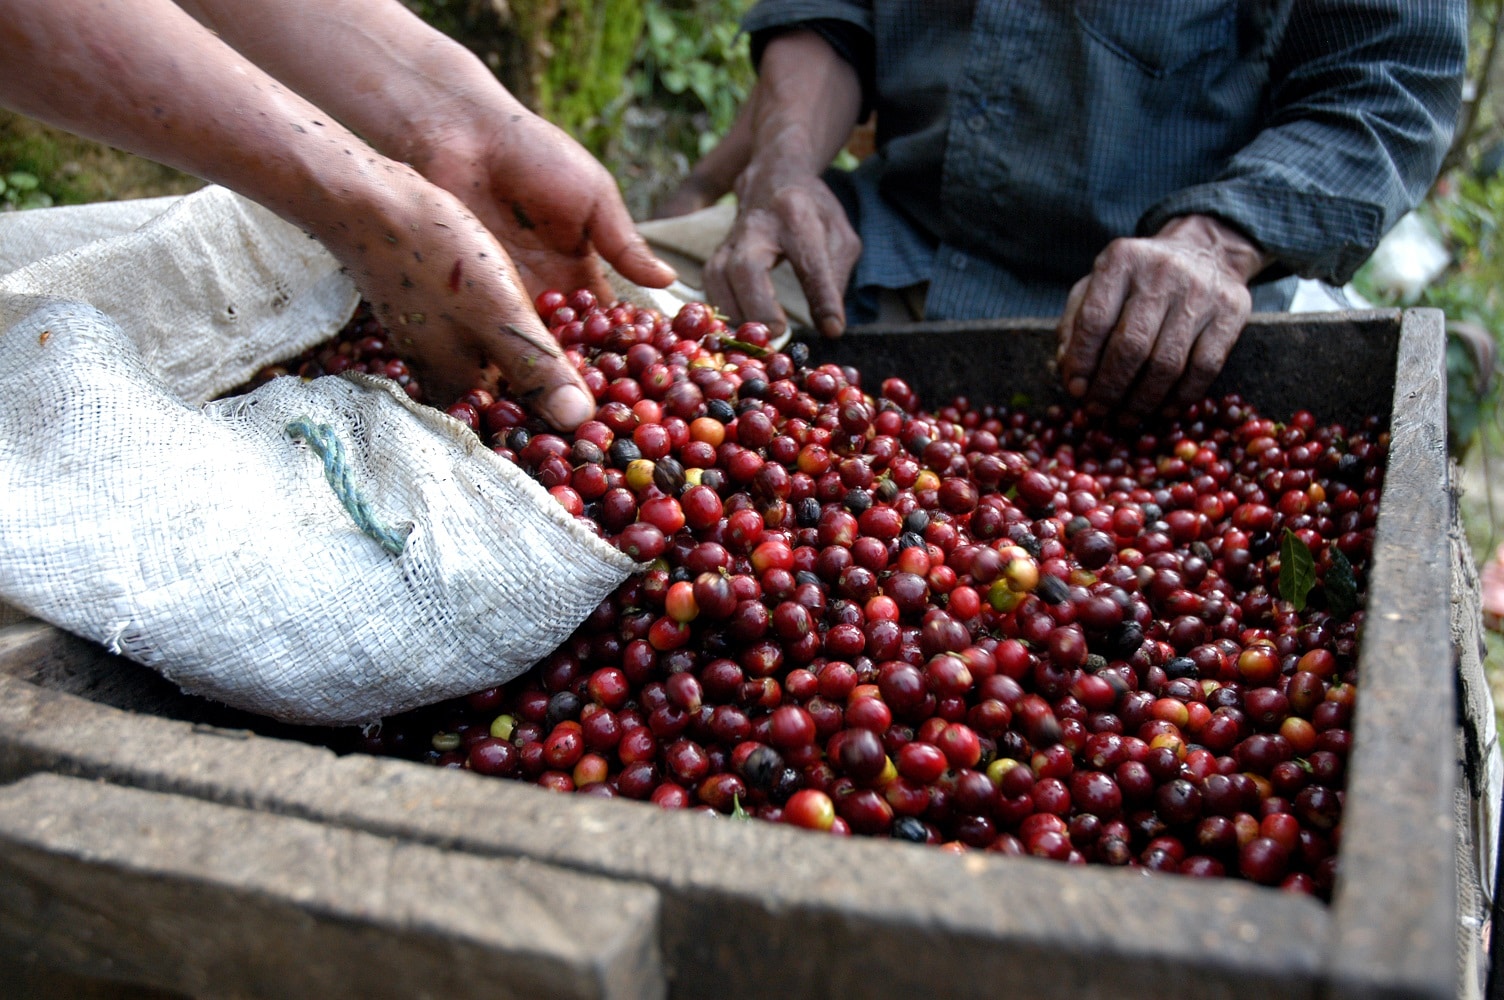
<point>1394,932</point>
<point>210,900</point>
<point>1338,365</point>
<point>748,909</point>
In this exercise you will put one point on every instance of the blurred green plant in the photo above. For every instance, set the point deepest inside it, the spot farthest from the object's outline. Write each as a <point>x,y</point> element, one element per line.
<point>565,59</point>
<point>19,189</point>
<point>1467,213</point>
<point>1470,219</point>
<point>474,24</point>
<point>691,73</point>
<point>693,58</point>
<point>1478,124</point>
<point>455,17</point>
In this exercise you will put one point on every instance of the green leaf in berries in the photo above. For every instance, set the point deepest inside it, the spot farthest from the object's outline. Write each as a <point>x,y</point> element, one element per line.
<point>1297,570</point>
<point>1340,585</point>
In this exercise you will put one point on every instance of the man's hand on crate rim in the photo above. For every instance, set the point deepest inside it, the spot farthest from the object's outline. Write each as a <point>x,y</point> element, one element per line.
<point>1154,321</point>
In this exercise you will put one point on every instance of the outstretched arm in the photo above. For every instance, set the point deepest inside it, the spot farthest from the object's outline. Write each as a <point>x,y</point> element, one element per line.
<point>421,98</point>
<point>144,76</point>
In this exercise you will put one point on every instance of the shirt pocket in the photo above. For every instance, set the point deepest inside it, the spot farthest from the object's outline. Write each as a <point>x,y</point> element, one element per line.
<point>1160,37</point>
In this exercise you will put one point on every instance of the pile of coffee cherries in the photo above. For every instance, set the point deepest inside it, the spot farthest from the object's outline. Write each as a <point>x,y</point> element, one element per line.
<point>974,627</point>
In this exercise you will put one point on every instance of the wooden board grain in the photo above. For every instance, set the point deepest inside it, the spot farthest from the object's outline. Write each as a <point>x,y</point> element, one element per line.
<point>1339,365</point>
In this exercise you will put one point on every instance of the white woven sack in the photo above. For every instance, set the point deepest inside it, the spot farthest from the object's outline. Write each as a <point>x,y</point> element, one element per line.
<point>204,541</point>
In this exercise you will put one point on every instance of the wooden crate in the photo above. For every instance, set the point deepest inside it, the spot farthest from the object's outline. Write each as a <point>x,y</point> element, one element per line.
<point>749,909</point>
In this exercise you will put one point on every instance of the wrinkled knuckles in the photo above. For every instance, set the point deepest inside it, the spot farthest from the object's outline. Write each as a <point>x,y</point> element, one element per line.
<point>1235,299</point>
<point>1094,317</point>
<point>1192,310</point>
<point>746,270</point>
<point>848,248</point>
<point>1114,257</point>
<point>794,199</point>
<point>1134,342</point>
<point>1200,374</point>
<point>1163,370</point>
<point>1163,274</point>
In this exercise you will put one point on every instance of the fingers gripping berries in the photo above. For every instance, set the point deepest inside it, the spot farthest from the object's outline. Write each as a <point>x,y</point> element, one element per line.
<point>972,626</point>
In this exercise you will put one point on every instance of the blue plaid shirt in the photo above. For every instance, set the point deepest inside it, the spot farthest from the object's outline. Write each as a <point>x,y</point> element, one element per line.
<point>1016,138</point>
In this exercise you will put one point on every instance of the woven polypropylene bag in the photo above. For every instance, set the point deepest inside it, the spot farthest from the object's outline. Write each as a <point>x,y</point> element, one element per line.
<point>203,540</point>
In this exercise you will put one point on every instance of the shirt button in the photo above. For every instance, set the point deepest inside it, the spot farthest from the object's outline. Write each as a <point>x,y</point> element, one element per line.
<point>958,261</point>
<point>977,122</point>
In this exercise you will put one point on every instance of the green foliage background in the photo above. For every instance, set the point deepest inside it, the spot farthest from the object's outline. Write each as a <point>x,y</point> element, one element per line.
<point>690,74</point>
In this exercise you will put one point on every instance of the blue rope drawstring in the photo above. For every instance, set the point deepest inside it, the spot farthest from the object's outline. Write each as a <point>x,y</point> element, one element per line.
<point>321,438</point>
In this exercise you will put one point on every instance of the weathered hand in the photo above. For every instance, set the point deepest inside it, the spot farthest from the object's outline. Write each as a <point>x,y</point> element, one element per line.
<point>452,300</point>
<point>784,216</point>
<point>143,75</point>
<point>1153,323</point>
<point>548,201</point>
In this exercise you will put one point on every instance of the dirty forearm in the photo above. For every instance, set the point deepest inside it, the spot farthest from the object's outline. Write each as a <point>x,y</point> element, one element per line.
<point>145,77</point>
<point>788,124</point>
<point>372,63</point>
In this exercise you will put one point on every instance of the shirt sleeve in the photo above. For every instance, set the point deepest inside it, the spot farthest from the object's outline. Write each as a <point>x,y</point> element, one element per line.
<point>1364,98</point>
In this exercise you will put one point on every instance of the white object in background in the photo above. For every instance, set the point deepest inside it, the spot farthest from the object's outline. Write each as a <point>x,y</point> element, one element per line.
<point>1408,258</point>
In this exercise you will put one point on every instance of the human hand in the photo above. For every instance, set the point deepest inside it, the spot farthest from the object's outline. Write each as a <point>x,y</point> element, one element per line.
<point>784,215</point>
<point>421,98</point>
<point>451,298</point>
<point>548,201</point>
<point>1153,323</point>
<point>159,85</point>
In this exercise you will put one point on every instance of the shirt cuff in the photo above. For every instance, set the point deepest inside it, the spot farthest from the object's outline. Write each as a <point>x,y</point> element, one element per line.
<point>1321,236</point>
<point>786,13</point>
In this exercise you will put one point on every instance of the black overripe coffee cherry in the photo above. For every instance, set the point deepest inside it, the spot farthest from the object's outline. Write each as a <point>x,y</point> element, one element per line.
<point>1350,470</point>
<point>1021,536</point>
<point>624,452</point>
<point>668,475</point>
<point>563,706</point>
<point>787,783</point>
<point>762,768</point>
<point>1052,589</point>
<point>1181,666</point>
<point>1124,640</point>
